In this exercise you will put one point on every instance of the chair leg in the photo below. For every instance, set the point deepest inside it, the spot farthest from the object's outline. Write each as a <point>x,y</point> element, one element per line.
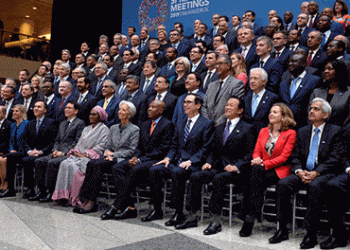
<point>230,205</point>
<point>294,214</point>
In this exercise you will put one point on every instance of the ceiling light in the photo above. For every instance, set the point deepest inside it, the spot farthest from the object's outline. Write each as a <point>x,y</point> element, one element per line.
<point>27,16</point>
<point>34,8</point>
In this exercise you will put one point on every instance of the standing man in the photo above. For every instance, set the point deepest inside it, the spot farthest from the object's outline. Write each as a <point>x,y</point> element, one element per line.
<point>85,99</point>
<point>247,47</point>
<point>210,75</point>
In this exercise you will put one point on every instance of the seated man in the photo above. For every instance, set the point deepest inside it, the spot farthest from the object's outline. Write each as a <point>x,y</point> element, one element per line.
<point>229,161</point>
<point>110,102</point>
<point>46,169</point>
<point>5,128</point>
<point>192,139</point>
<point>314,145</point>
<point>155,139</point>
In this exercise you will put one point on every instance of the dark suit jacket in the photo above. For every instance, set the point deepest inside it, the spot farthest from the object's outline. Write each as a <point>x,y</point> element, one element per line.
<point>67,139</point>
<point>59,113</point>
<point>168,73</point>
<point>5,134</point>
<point>197,144</point>
<point>212,78</point>
<point>319,60</point>
<point>50,113</point>
<point>45,138</point>
<point>30,113</point>
<point>283,59</point>
<point>329,142</point>
<point>304,36</point>
<point>236,151</point>
<point>207,39</point>
<point>183,48</point>
<point>169,101</point>
<point>85,107</point>
<point>111,110</point>
<point>9,115</point>
<point>155,146</point>
<point>261,116</point>
<point>179,112</point>
<point>97,92</point>
<point>150,89</point>
<point>274,71</point>
<point>258,30</point>
<point>251,57</point>
<point>201,68</point>
<point>330,38</point>
<point>301,97</point>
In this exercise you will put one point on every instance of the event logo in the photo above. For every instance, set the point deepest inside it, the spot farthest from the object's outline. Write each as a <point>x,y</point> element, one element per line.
<point>153,23</point>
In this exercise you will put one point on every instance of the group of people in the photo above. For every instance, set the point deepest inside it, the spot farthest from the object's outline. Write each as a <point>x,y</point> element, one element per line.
<point>249,105</point>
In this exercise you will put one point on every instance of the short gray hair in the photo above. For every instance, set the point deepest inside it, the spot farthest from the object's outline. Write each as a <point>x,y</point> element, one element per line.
<point>264,75</point>
<point>132,108</point>
<point>326,107</point>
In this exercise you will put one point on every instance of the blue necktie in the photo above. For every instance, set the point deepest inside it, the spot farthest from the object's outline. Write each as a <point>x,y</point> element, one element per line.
<point>323,41</point>
<point>227,131</point>
<point>311,159</point>
<point>38,122</point>
<point>254,104</point>
<point>293,88</point>
<point>187,130</point>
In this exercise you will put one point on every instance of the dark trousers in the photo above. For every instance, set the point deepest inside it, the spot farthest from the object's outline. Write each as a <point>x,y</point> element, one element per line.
<point>253,199</point>
<point>12,160</point>
<point>93,178</point>
<point>46,170</point>
<point>29,166</point>
<point>337,197</point>
<point>179,176</point>
<point>128,179</point>
<point>286,187</point>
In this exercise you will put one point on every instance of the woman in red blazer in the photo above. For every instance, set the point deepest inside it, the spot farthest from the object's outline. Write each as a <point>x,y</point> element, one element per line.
<point>270,162</point>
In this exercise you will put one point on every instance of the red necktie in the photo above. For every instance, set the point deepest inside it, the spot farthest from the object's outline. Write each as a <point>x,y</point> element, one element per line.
<point>309,59</point>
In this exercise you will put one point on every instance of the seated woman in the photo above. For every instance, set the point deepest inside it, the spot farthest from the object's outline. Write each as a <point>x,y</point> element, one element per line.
<point>270,163</point>
<point>122,142</point>
<point>335,90</point>
<point>16,151</point>
<point>91,145</point>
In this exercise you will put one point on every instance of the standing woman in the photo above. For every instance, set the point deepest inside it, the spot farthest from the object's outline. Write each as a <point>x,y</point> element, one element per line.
<point>335,90</point>
<point>16,151</point>
<point>238,67</point>
<point>162,37</point>
<point>340,10</point>
<point>91,145</point>
<point>177,84</point>
<point>270,163</point>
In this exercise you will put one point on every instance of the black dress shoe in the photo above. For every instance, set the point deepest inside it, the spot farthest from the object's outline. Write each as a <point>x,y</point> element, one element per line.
<point>28,193</point>
<point>308,242</point>
<point>7,193</point>
<point>279,236</point>
<point>38,196</point>
<point>126,214</point>
<point>109,214</point>
<point>154,215</point>
<point>332,243</point>
<point>47,198</point>
<point>247,229</point>
<point>175,219</point>
<point>187,224</point>
<point>80,210</point>
<point>213,228</point>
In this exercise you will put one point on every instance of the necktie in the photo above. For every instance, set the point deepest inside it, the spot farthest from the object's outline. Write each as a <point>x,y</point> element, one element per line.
<point>67,126</point>
<point>309,59</point>
<point>311,159</point>
<point>217,93</point>
<point>293,88</point>
<point>98,85</point>
<point>62,102</point>
<point>254,104</point>
<point>291,48</point>
<point>226,132</point>
<point>105,104</point>
<point>145,86</point>
<point>159,96</point>
<point>243,51</point>
<point>187,130</point>
<point>311,21</point>
<point>26,104</point>
<point>323,40</point>
<point>121,89</point>
<point>38,123</point>
<point>277,55</point>
<point>169,66</point>
<point>207,79</point>
<point>46,99</point>
<point>261,64</point>
<point>80,98</point>
<point>152,128</point>
<point>194,67</point>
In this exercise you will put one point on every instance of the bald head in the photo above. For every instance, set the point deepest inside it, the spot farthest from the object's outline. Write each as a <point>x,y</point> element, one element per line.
<point>156,109</point>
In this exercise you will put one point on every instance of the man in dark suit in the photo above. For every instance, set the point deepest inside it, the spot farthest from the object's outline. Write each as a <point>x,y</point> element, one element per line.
<point>162,93</point>
<point>28,100</point>
<point>110,102</point>
<point>197,63</point>
<point>230,39</point>
<point>316,57</point>
<point>9,101</point>
<point>215,20</point>
<point>324,26</point>
<point>229,161</point>
<point>182,46</point>
<point>46,167</point>
<point>314,145</point>
<point>247,48</point>
<point>313,9</point>
<point>39,135</point>
<point>149,78</point>
<point>281,53</point>
<point>268,63</point>
<point>219,91</point>
<point>134,69</point>
<point>111,72</point>
<point>50,98</point>
<point>294,37</point>
<point>168,70</point>
<point>288,18</point>
<point>296,90</point>
<point>188,151</point>
<point>85,99</point>
<point>201,32</point>
<point>64,71</point>
<point>258,100</point>
<point>155,139</point>
<point>101,76</point>
<point>258,30</point>
<point>304,30</point>
<point>5,128</point>
<point>210,75</point>
<point>117,58</point>
<point>65,90</point>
